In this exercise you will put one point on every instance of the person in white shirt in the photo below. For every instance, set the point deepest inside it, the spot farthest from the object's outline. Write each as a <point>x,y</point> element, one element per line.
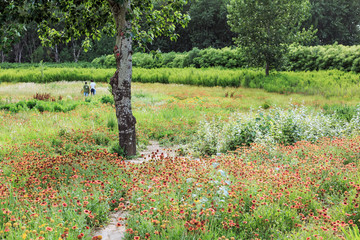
<point>92,87</point>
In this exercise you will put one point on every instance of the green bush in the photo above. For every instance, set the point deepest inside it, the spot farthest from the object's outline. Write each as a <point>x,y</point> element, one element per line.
<point>356,65</point>
<point>58,108</point>
<point>275,126</point>
<point>115,148</point>
<point>209,57</point>
<point>298,58</point>
<point>167,59</point>
<point>107,99</point>
<point>31,103</point>
<point>343,112</point>
<point>41,106</point>
<point>344,58</point>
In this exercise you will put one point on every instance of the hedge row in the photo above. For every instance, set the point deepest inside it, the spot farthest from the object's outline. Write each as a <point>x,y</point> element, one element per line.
<point>345,58</point>
<point>328,83</point>
<point>298,58</point>
<point>210,57</point>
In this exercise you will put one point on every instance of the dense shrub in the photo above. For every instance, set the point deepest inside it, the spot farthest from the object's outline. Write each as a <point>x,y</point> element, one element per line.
<point>343,112</point>
<point>344,58</point>
<point>209,57</point>
<point>39,105</point>
<point>298,58</point>
<point>282,126</point>
<point>107,99</point>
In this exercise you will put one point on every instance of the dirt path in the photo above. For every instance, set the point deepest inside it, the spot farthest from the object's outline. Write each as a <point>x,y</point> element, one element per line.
<point>115,230</point>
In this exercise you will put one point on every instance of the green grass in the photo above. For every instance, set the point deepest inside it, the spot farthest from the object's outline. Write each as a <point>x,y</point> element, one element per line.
<point>330,83</point>
<point>54,158</point>
<point>164,112</point>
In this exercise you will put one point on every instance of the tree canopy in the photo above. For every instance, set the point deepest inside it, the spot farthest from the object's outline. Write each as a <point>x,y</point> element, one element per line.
<point>207,28</point>
<point>265,27</point>
<point>336,21</point>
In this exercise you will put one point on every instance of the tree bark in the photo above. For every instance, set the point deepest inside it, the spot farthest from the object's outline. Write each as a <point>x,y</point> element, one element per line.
<point>267,69</point>
<point>57,57</point>
<point>18,47</point>
<point>2,56</point>
<point>121,81</point>
<point>76,55</point>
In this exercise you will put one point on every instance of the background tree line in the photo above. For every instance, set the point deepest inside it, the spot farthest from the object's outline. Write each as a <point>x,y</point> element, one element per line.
<point>335,21</point>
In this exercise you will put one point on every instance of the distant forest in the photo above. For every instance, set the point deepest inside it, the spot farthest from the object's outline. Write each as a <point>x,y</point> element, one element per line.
<point>335,21</point>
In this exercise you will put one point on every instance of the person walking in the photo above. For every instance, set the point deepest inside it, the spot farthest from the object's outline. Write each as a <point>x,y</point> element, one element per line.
<point>92,87</point>
<point>86,89</point>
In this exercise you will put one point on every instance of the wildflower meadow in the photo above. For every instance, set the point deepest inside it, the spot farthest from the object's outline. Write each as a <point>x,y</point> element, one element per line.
<point>248,164</point>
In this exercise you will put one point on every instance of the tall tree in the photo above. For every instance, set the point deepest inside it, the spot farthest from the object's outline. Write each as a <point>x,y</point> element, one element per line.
<point>336,21</point>
<point>207,28</point>
<point>128,19</point>
<point>10,31</point>
<point>208,25</point>
<point>266,27</point>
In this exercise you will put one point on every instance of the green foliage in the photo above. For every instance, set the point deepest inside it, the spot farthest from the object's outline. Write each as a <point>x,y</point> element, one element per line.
<point>112,123</point>
<point>352,233</point>
<point>327,83</point>
<point>356,65</point>
<point>336,21</point>
<point>10,27</point>
<point>343,112</point>
<point>208,26</point>
<point>116,148</point>
<point>265,28</point>
<point>40,55</point>
<point>55,74</point>
<point>277,126</point>
<point>297,58</point>
<point>101,138</point>
<point>143,60</point>
<point>107,99</point>
<point>209,57</point>
<point>7,65</point>
<point>345,58</point>
<point>41,106</point>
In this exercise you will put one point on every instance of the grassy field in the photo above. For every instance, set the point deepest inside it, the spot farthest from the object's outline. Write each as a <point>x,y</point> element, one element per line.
<point>60,176</point>
<point>329,83</point>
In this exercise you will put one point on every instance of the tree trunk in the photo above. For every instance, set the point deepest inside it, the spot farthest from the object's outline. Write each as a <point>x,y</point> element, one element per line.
<point>18,47</point>
<point>57,57</point>
<point>2,57</point>
<point>267,69</point>
<point>121,81</point>
<point>75,55</point>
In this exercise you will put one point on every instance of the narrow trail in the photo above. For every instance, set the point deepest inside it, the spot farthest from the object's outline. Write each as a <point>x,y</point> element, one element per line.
<point>115,230</point>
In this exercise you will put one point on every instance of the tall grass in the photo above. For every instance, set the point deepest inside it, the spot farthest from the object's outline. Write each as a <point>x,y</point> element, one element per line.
<point>45,75</point>
<point>327,83</point>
